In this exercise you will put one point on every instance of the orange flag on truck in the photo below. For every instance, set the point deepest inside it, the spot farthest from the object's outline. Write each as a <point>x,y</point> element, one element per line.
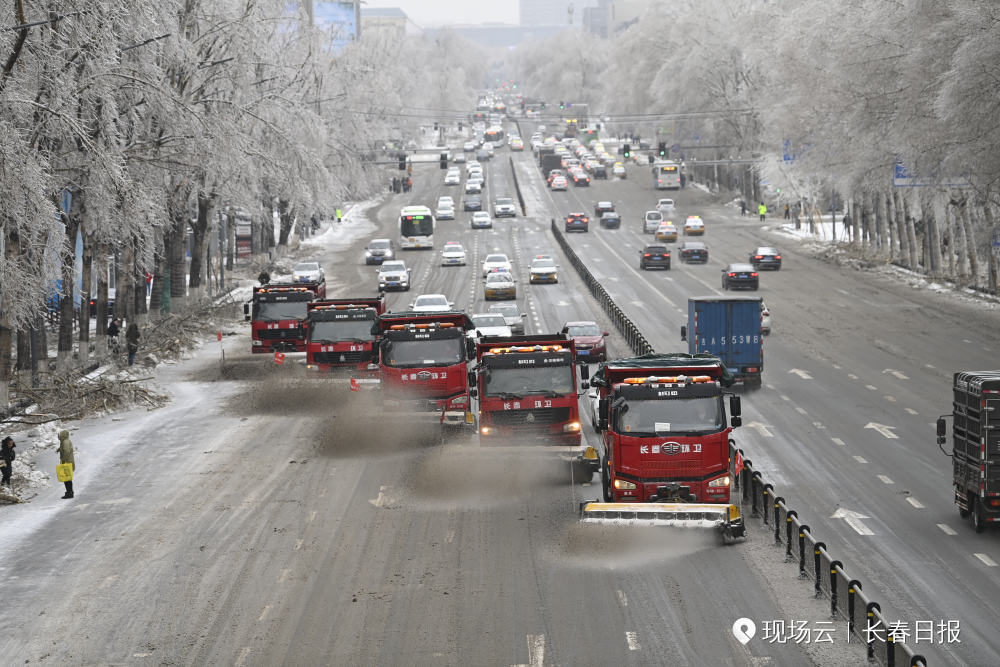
<point>738,463</point>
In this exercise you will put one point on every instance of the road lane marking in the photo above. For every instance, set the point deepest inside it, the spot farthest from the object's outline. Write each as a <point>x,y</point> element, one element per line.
<point>801,373</point>
<point>871,387</point>
<point>284,574</point>
<point>886,431</point>
<point>801,411</point>
<point>267,608</point>
<point>312,516</point>
<point>785,398</point>
<point>854,520</point>
<point>860,459</point>
<point>891,399</point>
<point>244,652</point>
<point>819,426</point>
<point>536,650</point>
<point>886,480</point>
<point>911,411</point>
<point>761,428</point>
<point>837,366</point>
<point>298,544</point>
<point>986,559</point>
<point>622,598</point>
<point>450,537</point>
<point>631,640</point>
<point>946,529</point>
<point>916,503</point>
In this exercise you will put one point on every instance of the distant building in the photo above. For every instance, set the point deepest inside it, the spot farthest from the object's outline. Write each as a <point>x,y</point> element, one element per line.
<point>392,20</point>
<point>538,13</point>
<point>607,17</point>
<point>341,19</point>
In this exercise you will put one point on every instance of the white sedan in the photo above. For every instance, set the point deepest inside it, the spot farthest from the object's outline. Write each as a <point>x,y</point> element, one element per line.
<point>496,261</point>
<point>489,324</point>
<point>445,212</point>
<point>453,254</point>
<point>559,183</point>
<point>431,303</point>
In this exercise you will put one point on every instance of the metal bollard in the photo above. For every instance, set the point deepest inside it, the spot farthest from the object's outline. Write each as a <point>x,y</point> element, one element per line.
<point>833,587</point>
<point>853,586</point>
<point>747,465</point>
<point>817,559</point>
<point>755,481</point>
<point>777,514</point>
<point>791,514</point>
<point>890,650</point>
<point>870,614</point>
<point>768,493</point>
<point>918,660</point>
<point>802,550</point>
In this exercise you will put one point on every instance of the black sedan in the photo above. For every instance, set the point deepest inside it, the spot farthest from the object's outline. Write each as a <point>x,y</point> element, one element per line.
<point>654,257</point>
<point>694,251</point>
<point>766,257</point>
<point>611,220</point>
<point>737,276</point>
<point>472,203</point>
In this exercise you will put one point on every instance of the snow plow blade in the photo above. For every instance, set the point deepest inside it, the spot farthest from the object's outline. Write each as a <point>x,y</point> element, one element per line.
<point>725,518</point>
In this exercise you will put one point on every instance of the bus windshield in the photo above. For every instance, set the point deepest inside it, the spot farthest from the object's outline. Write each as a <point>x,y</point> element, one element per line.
<point>416,225</point>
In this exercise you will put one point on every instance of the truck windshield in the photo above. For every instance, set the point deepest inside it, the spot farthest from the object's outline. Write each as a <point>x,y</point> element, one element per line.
<point>556,379</point>
<point>683,415</point>
<point>354,330</point>
<point>419,353</point>
<point>281,310</point>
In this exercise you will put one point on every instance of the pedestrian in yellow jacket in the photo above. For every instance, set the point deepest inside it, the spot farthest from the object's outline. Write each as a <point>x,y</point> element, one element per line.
<point>66,456</point>
<point>762,210</point>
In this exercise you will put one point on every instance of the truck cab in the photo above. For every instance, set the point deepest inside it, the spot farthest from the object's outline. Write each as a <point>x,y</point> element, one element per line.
<point>340,334</point>
<point>278,318</point>
<point>665,429</point>
<point>527,397</point>
<point>422,365</point>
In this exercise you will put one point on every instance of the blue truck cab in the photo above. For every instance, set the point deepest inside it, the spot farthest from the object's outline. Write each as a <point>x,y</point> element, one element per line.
<point>730,328</point>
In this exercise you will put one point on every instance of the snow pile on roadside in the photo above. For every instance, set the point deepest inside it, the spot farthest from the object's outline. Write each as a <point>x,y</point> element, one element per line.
<point>31,444</point>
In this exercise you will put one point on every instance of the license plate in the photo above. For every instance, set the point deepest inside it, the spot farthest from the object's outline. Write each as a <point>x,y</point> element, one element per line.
<point>583,352</point>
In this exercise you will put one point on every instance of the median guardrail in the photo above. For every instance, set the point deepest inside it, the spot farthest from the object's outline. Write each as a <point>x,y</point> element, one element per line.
<point>625,326</point>
<point>848,600</point>
<point>517,187</point>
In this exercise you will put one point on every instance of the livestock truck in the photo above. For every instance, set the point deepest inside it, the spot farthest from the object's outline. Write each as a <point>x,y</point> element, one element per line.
<point>277,315</point>
<point>728,327</point>
<point>666,442</point>
<point>422,366</point>
<point>340,335</point>
<point>526,388</point>
<point>975,445</point>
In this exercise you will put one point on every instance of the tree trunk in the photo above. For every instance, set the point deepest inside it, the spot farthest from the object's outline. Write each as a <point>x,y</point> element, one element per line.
<point>198,249</point>
<point>67,314</point>
<point>904,243</point>
<point>970,244</point>
<point>948,243</point>
<point>23,350</point>
<point>101,325</point>
<point>176,248</point>
<point>86,278</point>
<point>992,278</point>
<point>911,235</point>
<point>230,238</point>
<point>287,219</point>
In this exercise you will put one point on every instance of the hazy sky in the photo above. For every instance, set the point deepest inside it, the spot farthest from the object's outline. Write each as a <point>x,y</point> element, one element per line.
<point>429,13</point>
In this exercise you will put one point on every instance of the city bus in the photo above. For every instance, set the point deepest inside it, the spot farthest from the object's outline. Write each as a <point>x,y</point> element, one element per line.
<point>666,176</point>
<point>416,228</point>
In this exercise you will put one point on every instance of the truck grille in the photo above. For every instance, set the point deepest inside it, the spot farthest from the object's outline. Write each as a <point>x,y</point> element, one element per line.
<point>281,334</point>
<point>539,416</point>
<point>348,357</point>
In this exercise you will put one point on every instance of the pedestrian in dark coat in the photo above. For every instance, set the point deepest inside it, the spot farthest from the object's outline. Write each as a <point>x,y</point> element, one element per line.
<point>66,456</point>
<point>132,338</point>
<point>7,460</point>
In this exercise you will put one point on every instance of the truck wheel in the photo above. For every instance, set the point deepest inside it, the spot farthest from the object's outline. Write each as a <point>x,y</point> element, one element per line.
<point>978,517</point>
<point>606,479</point>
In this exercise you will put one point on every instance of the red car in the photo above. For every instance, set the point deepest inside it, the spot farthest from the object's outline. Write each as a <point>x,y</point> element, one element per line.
<point>577,222</point>
<point>589,340</point>
<point>580,177</point>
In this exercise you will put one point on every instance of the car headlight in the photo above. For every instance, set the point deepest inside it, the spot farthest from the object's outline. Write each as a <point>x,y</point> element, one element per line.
<point>572,427</point>
<point>388,253</point>
<point>368,253</point>
<point>624,484</point>
<point>721,481</point>
<point>461,400</point>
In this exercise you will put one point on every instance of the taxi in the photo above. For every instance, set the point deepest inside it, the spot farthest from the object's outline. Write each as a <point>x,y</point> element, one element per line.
<point>667,231</point>
<point>694,226</point>
<point>499,285</point>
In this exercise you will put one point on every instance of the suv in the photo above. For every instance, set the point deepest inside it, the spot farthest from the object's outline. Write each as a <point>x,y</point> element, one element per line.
<point>665,206</point>
<point>654,257</point>
<point>740,275</point>
<point>379,250</point>
<point>651,221</point>
<point>512,315</point>
<point>599,171</point>
<point>504,206</point>
<point>577,222</point>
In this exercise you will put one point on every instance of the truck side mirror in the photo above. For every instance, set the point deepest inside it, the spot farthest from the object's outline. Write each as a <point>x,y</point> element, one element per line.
<point>735,406</point>
<point>942,431</point>
<point>585,385</point>
<point>584,372</point>
<point>472,378</point>
<point>246,311</point>
<point>473,392</point>
<point>684,332</point>
<point>602,409</point>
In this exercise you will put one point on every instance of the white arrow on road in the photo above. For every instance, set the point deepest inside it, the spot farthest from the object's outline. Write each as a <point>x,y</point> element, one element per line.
<point>853,519</point>
<point>897,374</point>
<point>761,428</point>
<point>801,373</point>
<point>883,429</point>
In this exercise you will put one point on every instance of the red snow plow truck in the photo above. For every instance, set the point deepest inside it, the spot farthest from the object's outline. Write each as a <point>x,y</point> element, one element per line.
<point>277,315</point>
<point>666,439</point>
<point>527,391</point>
<point>422,367</point>
<point>341,336</point>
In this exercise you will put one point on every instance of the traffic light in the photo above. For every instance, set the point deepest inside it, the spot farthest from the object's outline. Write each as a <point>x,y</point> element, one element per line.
<point>435,126</point>
<point>459,126</point>
<point>402,162</point>
<point>627,151</point>
<point>663,149</point>
<point>562,106</point>
<point>444,160</point>
<point>543,106</point>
